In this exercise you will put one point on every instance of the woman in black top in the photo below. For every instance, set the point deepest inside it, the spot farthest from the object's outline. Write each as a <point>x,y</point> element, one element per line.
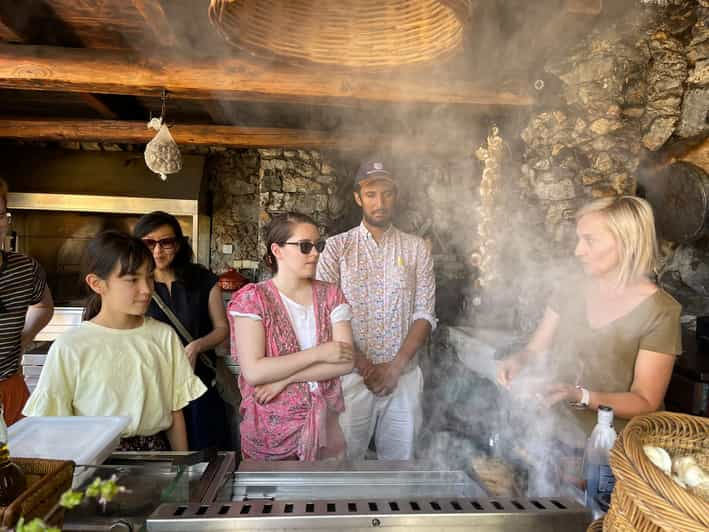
<point>192,293</point>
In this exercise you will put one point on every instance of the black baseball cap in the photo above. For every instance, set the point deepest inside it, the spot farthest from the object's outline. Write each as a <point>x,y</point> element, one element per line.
<point>372,168</point>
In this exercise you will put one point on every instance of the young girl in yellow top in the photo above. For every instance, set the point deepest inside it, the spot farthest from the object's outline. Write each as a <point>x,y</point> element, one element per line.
<point>118,362</point>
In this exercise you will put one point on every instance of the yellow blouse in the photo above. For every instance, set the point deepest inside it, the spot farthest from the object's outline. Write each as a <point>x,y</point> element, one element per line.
<point>97,371</point>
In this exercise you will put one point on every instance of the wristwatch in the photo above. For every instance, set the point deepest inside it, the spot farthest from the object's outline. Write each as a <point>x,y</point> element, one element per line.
<point>585,400</point>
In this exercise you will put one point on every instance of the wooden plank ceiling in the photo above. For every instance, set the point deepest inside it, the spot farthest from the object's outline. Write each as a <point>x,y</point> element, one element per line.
<point>80,69</point>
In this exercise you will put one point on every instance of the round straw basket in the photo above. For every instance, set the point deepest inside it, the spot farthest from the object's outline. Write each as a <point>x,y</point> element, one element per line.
<point>365,34</point>
<point>645,499</point>
<point>596,526</point>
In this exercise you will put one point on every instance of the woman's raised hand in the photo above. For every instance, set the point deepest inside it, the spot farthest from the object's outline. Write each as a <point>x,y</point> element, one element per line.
<point>336,352</point>
<point>192,351</point>
<point>561,392</point>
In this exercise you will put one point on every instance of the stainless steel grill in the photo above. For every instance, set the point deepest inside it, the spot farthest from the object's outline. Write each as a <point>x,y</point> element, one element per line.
<point>369,479</point>
<point>410,515</point>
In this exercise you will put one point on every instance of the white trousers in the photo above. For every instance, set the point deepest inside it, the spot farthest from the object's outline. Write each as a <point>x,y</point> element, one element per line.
<point>394,419</point>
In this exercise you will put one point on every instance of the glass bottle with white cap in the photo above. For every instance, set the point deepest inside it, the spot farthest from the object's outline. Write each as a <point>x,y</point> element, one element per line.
<point>597,471</point>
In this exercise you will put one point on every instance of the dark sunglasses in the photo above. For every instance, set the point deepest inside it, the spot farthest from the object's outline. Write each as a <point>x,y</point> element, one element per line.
<point>165,243</point>
<point>306,246</point>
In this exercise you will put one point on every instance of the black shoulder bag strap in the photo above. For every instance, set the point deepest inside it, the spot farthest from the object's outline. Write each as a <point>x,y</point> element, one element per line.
<point>177,324</point>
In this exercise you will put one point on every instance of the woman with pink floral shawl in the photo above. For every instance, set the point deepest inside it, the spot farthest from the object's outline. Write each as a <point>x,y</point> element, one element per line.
<point>293,340</point>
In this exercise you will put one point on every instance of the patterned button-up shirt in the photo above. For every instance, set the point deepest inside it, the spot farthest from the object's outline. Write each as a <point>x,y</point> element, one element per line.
<point>389,285</point>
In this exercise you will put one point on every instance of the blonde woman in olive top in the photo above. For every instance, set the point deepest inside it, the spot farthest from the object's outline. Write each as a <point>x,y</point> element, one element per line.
<point>612,334</point>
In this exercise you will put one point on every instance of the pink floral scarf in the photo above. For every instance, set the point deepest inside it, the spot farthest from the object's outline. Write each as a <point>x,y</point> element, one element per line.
<point>298,422</point>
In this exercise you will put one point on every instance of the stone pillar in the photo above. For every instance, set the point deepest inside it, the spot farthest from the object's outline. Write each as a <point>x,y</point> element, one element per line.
<point>249,186</point>
<point>695,104</point>
<point>621,95</point>
<point>233,181</point>
<point>298,180</point>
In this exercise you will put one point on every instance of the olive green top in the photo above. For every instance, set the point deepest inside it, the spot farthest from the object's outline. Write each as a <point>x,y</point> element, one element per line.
<point>603,359</point>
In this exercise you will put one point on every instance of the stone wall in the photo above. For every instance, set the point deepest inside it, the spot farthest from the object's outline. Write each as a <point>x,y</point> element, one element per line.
<point>249,186</point>
<point>684,271</point>
<point>301,181</point>
<point>629,90</point>
<point>622,94</point>
<point>437,200</point>
<point>695,103</point>
<point>589,146</point>
<point>233,180</point>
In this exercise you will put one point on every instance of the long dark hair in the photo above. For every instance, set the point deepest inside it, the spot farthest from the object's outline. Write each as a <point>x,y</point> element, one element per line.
<point>279,230</point>
<point>183,258</point>
<point>103,253</point>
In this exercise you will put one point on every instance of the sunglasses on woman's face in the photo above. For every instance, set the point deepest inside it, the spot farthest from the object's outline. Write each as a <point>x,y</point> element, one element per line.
<point>165,243</point>
<point>306,246</point>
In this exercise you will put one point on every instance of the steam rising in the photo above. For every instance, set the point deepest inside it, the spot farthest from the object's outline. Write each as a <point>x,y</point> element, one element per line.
<point>507,47</point>
<point>431,149</point>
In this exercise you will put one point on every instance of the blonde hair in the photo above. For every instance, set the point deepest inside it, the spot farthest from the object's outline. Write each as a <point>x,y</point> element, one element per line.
<point>632,224</point>
<point>3,191</point>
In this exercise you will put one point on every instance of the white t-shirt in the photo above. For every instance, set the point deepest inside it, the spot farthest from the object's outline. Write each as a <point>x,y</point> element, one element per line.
<point>302,319</point>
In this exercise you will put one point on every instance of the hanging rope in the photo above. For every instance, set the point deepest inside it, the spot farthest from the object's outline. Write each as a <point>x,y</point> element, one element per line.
<point>163,108</point>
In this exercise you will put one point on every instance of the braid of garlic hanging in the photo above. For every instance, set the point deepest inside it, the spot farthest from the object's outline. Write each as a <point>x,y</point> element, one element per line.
<point>485,255</point>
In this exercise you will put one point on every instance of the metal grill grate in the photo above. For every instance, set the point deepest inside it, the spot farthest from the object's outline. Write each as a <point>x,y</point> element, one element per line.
<point>343,515</point>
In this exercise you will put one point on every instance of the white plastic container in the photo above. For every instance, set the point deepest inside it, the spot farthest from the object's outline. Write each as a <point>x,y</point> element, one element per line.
<point>85,440</point>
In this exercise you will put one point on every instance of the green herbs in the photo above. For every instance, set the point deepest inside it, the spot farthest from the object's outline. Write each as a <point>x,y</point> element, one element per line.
<point>71,499</point>
<point>103,490</point>
<point>36,525</point>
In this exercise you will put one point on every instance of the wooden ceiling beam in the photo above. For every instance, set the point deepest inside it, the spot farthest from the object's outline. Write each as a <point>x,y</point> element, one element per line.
<point>130,132</point>
<point>156,20</point>
<point>116,72</point>
<point>8,34</point>
<point>37,21</point>
<point>98,105</point>
<point>25,23</point>
<point>584,7</point>
<point>218,111</point>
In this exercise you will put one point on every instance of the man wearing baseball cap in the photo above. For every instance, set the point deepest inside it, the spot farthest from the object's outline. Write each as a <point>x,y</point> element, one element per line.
<point>387,277</point>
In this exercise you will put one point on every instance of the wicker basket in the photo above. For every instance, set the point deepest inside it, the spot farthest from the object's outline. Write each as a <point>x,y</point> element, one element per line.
<point>645,499</point>
<point>46,481</point>
<point>596,526</point>
<point>365,34</point>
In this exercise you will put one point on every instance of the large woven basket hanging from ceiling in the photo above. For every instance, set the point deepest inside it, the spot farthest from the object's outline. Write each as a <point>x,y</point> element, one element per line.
<point>366,34</point>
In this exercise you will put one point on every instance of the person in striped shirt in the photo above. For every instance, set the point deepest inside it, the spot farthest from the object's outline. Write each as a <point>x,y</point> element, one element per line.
<point>26,306</point>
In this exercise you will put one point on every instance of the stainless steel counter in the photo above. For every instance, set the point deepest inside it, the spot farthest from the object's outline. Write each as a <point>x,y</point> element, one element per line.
<point>330,480</point>
<point>353,496</point>
<point>439,515</point>
<point>151,479</point>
